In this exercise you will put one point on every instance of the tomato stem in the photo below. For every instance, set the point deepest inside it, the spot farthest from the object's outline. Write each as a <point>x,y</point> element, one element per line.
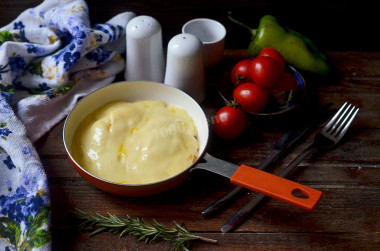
<point>233,104</point>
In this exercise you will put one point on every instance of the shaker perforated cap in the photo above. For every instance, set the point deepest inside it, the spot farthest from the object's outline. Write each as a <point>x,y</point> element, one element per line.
<point>185,45</point>
<point>143,26</point>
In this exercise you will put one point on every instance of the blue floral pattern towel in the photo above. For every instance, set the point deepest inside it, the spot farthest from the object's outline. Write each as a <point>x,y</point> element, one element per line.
<point>49,57</point>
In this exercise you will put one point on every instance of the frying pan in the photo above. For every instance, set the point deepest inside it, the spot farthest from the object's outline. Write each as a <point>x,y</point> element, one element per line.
<point>143,90</point>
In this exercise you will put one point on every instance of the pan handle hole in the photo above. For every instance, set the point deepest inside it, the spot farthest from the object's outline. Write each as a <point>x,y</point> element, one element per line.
<point>300,194</point>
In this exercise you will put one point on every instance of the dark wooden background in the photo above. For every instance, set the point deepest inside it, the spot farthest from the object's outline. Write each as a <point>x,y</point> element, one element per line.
<point>332,24</point>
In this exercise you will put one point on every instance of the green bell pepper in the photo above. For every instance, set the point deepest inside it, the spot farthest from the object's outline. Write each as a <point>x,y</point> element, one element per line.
<point>297,50</point>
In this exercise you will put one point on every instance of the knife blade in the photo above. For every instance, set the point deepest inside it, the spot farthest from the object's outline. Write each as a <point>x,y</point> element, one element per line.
<point>280,147</point>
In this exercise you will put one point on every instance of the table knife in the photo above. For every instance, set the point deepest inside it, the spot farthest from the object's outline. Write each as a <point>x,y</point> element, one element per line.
<point>280,147</point>
<point>243,213</point>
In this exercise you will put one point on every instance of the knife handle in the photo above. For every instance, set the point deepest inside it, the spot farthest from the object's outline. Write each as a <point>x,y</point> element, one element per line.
<point>276,187</point>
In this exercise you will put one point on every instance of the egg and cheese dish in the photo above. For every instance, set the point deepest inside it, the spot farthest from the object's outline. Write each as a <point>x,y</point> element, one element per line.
<point>136,143</point>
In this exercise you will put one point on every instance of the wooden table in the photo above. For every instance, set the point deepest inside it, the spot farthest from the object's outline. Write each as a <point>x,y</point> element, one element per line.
<point>349,176</point>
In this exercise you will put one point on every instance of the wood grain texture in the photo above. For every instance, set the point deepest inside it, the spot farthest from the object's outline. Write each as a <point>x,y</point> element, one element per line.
<point>348,175</point>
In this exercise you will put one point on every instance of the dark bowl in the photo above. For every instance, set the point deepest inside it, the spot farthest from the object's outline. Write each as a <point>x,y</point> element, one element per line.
<point>226,89</point>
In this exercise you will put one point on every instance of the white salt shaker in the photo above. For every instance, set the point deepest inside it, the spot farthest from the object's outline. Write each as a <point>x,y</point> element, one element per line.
<point>185,66</point>
<point>144,57</point>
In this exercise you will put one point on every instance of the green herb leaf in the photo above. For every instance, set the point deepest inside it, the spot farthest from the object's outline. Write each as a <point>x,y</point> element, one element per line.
<point>180,236</point>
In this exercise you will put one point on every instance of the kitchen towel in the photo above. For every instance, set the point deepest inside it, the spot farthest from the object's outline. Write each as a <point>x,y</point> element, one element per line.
<point>50,56</point>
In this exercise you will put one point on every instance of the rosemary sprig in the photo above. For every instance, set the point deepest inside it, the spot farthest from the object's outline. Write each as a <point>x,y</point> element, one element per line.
<point>146,232</point>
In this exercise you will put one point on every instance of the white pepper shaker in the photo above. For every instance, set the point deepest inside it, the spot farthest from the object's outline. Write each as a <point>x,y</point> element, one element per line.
<point>185,66</point>
<point>144,56</point>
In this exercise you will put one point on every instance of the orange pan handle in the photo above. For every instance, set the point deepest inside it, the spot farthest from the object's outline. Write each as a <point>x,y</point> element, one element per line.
<point>276,187</point>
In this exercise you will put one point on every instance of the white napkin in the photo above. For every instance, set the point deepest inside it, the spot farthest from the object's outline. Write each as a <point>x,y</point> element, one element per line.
<point>50,56</point>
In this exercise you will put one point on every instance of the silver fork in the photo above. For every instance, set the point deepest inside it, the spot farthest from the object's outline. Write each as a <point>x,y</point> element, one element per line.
<point>328,137</point>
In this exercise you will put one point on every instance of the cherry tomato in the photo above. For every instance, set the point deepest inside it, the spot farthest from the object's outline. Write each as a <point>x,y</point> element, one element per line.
<point>229,122</point>
<point>281,90</point>
<point>265,71</point>
<point>252,97</point>
<point>240,73</point>
<point>276,55</point>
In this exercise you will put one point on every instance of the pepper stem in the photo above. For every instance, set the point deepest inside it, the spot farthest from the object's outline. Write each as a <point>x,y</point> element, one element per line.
<point>252,31</point>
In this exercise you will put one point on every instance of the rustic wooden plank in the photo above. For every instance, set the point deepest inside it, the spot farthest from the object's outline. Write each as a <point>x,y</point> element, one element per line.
<point>354,161</point>
<point>362,93</point>
<point>343,207</point>
<point>340,165</point>
<point>356,65</point>
<point>351,65</point>
<point>359,90</point>
<point>237,241</point>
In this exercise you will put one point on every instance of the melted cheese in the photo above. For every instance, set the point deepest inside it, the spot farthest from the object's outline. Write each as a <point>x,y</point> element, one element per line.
<point>136,143</point>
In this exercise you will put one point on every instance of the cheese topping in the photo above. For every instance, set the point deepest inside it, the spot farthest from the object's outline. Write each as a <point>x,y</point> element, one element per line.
<point>136,143</point>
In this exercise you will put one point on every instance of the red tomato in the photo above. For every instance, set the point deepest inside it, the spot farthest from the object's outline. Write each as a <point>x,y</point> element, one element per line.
<point>240,73</point>
<point>229,122</point>
<point>281,90</point>
<point>265,71</point>
<point>251,97</point>
<point>270,52</point>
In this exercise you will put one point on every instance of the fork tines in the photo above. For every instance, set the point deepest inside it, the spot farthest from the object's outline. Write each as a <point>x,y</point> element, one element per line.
<point>341,121</point>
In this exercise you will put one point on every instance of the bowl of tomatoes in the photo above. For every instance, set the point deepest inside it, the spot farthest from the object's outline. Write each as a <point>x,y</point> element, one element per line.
<point>265,85</point>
